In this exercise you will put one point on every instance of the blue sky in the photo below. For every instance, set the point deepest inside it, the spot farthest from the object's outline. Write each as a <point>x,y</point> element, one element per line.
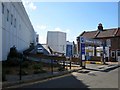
<point>71,17</point>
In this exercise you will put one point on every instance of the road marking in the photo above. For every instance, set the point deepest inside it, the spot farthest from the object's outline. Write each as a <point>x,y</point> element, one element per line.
<point>93,62</point>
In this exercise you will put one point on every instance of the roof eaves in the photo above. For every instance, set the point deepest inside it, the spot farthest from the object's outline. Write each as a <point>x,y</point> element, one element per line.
<point>82,33</point>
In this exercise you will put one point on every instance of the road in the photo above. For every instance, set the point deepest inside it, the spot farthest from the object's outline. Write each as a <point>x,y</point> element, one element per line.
<point>93,79</point>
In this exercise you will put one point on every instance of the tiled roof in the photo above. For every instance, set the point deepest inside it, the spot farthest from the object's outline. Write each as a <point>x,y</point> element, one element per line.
<point>102,34</point>
<point>107,33</point>
<point>118,33</point>
<point>90,34</point>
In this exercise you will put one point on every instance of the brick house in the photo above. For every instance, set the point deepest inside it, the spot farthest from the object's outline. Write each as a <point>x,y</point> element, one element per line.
<point>111,37</point>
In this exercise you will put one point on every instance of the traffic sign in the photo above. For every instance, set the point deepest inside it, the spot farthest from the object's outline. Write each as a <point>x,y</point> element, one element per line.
<point>82,40</point>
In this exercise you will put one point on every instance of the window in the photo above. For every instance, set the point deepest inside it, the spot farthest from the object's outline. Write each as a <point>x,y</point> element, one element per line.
<point>113,54</point>
<point>7,15</point>
<point>3,8</point>
<point>15,22</point>
<point>118,53</point>
<point>11,19</point>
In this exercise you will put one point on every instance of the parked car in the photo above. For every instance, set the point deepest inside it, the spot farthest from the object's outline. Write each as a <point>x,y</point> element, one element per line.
<point>40,50</point>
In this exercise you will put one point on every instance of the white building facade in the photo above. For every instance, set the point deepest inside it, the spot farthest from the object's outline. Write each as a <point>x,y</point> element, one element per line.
<point>16,28</point>
<point>57,41</point>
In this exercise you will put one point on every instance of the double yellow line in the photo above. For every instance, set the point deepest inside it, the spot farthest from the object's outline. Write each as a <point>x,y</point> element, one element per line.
<point>93,62</point>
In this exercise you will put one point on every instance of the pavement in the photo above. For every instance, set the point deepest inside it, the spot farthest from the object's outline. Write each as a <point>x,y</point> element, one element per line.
<point>14,80</point>
<point>100,67</point>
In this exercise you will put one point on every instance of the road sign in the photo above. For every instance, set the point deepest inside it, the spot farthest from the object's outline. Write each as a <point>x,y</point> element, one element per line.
<point>82,48</point>
<point>82,40</point>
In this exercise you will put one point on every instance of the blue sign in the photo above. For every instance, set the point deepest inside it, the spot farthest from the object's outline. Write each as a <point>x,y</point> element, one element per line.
<point>82,40</point>
<point>83,51</point>
<point>82,48</point>
<point>69,50</point>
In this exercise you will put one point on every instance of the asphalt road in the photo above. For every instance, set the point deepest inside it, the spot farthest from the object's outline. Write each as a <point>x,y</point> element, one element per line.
<point>93,79</point>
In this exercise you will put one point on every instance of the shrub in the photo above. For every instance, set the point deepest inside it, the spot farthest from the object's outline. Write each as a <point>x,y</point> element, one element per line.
<point>23,72</point>
<point>25,64</point>
<point>7,71</point>
<point>13,62</point>
<point>39,71</point>
<point>37,66</point>
<point>3,75</point>
<point>13,52</point>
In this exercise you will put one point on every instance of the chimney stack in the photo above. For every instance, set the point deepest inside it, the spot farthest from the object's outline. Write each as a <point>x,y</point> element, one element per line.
<point>100,27</point>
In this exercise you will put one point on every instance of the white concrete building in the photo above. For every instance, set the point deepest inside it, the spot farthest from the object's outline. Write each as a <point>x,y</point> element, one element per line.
<point>57,41</point>
<point>16,28</point>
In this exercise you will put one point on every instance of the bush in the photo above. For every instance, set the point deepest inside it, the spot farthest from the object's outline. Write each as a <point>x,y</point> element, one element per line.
<point>3,75</point>
<point>13,52</point>
<point>39,71</point>
<point>23,72</point>
<point>13,62</point>
<point>25,64</point>
<point>7,71</point>
<point>37,66</point>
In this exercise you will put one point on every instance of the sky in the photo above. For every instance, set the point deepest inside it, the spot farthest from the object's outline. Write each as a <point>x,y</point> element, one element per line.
<point>71,17</point>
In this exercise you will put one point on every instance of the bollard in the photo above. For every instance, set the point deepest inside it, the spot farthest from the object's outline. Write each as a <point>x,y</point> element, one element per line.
<point>83,65</point>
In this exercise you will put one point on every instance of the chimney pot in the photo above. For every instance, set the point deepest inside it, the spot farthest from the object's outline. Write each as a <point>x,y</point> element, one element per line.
<point>100,27</point>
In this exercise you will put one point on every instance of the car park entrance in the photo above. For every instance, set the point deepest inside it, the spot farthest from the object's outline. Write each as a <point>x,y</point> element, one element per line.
<point>93,50</point>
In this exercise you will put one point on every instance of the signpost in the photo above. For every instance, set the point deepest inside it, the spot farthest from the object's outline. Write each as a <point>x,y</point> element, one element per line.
<point>82,52</point>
